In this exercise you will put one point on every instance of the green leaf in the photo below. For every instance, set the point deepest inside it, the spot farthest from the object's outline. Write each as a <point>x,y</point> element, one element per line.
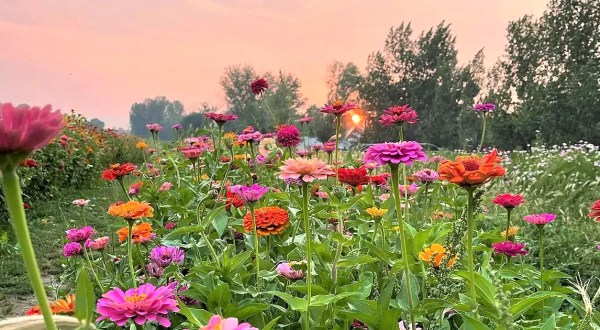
<point>183,309</point>
<point>356,261</point>
<point>295,303</point>
<point>520,306</point>
<point>85,299</point>
<point>219,297</point>
<point>247,310</point>
<point>270,325</point>
<point>470,323</point>
<point>219,222</point>
<point>550,323</point>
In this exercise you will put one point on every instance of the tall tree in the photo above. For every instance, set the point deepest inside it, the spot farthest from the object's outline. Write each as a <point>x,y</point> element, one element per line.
<point>157,110</point>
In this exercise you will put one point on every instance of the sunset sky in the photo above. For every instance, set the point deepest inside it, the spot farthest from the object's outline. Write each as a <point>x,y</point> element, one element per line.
<point>99,57</point>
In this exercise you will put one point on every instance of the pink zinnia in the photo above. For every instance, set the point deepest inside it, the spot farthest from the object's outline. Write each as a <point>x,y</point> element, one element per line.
<point>72,249</point>
<point>259,86</point>
<point>305,119</point>
<point>250,137</point>
<point>288,136</point>
<point>303,153</point>
<point>304,169</point>
<point>286,270</point>
<point>166,255</point>
<point>249,194</point>
<point>165,186</point>
<point>540,219</point>
<point>217,322</point>
<point>146,303</point>
<point>98,244</point>
<point>484,107</point>
<point>329,146</point>
<point>220,118</point>
<point>511,249</point>
<point>154,128</point>
<point>395,153</point>
<point>426,175</point>
<point>81,202</point>
<point>317,147</point>
<point>24,129</point>
<point>193,153</point>
<point>338,108</point>
<point>80,234</point>
<point>408,190</point>
<point>508,201</point>
<point>398,115</point>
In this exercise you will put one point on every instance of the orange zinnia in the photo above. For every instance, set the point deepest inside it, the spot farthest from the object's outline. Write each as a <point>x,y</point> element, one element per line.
<point>435,254</point>
<point>131,210</point>
<point>469,171</point>
<point>270,220</point>
<point>60,306</point>
<point>140,234</point>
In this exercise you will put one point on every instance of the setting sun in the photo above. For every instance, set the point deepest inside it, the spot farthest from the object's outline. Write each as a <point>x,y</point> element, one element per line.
<point>356,118</point>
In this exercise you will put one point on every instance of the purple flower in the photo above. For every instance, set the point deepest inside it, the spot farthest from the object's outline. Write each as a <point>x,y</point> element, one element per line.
<point>72,249</point>
<point>286,270</point>
<point>540,219</point>
<point>329,146</point>
<point>509,248</point>
<point>250,137</point>
<point>395,153</point>
<point>484,107</point>
<point>408,190</point>
<point>177,126</point>
<point>80,234</point>
<point>426,175</point>
<point>166,255</point>
<point>249,194</point>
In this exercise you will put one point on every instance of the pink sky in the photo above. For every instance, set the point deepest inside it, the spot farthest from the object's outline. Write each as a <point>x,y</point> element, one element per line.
<point>99,57</point>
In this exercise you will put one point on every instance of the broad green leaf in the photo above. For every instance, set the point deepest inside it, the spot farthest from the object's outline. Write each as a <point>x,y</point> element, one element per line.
<point>219,222</point>
<point>270,325</point>
<point>183,309</point>
<point>550,323</point>
<point>85,298</point>
<point>520,306</point>
<point>295,303</point>
<point>472,324</point>
<point>219,297</point>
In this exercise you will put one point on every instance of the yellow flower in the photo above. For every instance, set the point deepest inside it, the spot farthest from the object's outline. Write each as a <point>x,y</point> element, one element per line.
<point>242,156</point>
<point>141,145</point>
<point>230,139</point>
<point>376,212</point>
<point>512,231</point>
<point>204,176</point>
<point>435,254</point>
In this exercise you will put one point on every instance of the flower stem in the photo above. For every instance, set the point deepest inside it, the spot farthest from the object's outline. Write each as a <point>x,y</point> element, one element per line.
<point>470,229</point>
<point>337,144</point>
<point>218,146</point>
<point>541,252</point>
<point>130,252</point>
<point>507,236</point>
<point>403,239</point>
<point>401,133</point>
<point>256,251</point>
<point>87,258</point>
<point>483,132</point>
<point>12,193</point>
<point>308,259</point>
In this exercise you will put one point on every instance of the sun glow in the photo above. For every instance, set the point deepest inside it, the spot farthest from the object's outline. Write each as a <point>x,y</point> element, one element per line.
<point>356,118</point>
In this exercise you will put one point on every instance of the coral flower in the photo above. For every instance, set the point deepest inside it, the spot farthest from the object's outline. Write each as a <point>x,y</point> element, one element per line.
<point>508,201</point>
<point>376,212</point>
<point>338,108</point>
<point>118,171</point>
<point>30,163</point>
<point>353,176</point>
<point>509,248</point>
<point>540,219</point>
<point>270,220</point>
<point>193,153</point>
<point>595,211</point>
<point>398,115</point>
<point>266,146</point>
<point>426,175</point>
<point>24,129</point>
<point>259,86</point>
<point>469,171</point>
<point>305,119</point>
<point>131,210</point>
<point>98,244</point>
<point>144,304</point>
<point>512,231</point>
<point>249,194</point>
<point>395,153</point>
<point>288,135</point>
<point>165,186</point>
<point>304,169</point>
<point>435,254</point>
<point>233,200</point>
<point>80,234</point>
<point>72,249</point>
<point>60,306</point>
<point>286,269</point>
<point>220,118</point>
<point>141,233</point>
<point>164,256</point>
<point>217,322</point>
<point>134,189</point>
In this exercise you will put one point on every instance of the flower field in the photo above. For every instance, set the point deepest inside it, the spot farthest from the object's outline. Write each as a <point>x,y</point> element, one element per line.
<point>254,230</point>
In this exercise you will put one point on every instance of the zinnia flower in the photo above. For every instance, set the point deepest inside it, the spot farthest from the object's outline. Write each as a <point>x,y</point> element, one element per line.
<point>24,129</point>
<point>270,220</point>
<point>508,201</point>
<point>484,107</point>
<point>286,269</point>
<point>408,326</point>
<point>512,231</point>
<point>166,255</point>
<point>80,234</point>
<point>131,210</point>
<point>135,188</point>
<point>540,219</point>
<point>98,244</point>
<point>259,86</point>
<point>266,146</point>
<point>118,171</point>
<point>60,306</point>
<point>30,162</point>
<point>426,175</point>
<point>220,118</point>
<point>141,145</point>
<point>147,303</point>
<point>317,147</point>
<point>72,249</point>
<point>338,108</point>
<point>217,322</point>
<point>471,170</point>
<point>233,200</point>
<point>154,128</point>
<point>141,233</point>
<point>435,254</point>
<point>329,147</point>
<point>288,135</point>
<point>81,202</point>
<point>177,127</point>
<point>165,186</point>
<point>395,153</point>
<point>193,153</point>
<point>250,137</point>
<point>305,119</point>
<point>509,248</point>
<point>398,115</point>
<point>305,169</point>
<point>250,194</point>
<point>376,212</point>
<point>595,211</point>
<point>408,190</point>
<point>353,176</point>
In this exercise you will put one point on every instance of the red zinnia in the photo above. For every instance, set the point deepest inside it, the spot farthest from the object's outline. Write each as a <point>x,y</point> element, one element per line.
<point>595,211</point>
<point>353,176</point>
<point>117,171</point>
<point>220,118</point>
<point>270,220</point>
<point>259,86</point>
<point>508,201</point>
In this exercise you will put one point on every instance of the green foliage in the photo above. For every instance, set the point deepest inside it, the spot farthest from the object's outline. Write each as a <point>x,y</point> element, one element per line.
<point>158,110</point>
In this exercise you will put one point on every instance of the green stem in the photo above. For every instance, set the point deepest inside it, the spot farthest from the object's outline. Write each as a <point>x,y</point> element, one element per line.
<point>87,258</point>
<point>218,146</point>
<point>130,252</point>
<point>308,259</point>
<point>256,251</point>
<point>470,229</point>
<point>122,184</point>
<point>541,252</point>
<point>401,133</point>
<point>507,236</point>
<point>337,143</point>
<point>403,239</point>
<point>211,248</point>
<point>11,188</point>
<point>483,132</point>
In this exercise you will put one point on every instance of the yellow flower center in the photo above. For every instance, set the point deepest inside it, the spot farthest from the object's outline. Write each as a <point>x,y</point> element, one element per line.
<point>136,297</point>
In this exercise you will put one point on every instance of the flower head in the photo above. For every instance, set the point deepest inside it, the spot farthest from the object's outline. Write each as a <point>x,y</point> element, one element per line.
<point>329,147</point>
<point>146,303</point>
<point>540,219</point>
<point>508,201</point>
<point>316,147</point>
<point>166,255</point>
<point>595,211</point>
<point>471,170</point>
<point>398,115</point>
<point>426,175</point>
<point>286,269</point>
<point>259,86</point>
<point>305,169</point>
<point>270,220</point>
<point>217,322</point>
<point>72,249</point>
<point>135,188</point>
<point>408,326</point>
<point>435,254</point>
<point>220,118</point>
<point>141,233</point>
<point>154,128</point>
<point>81,202</point>
<point>511,249</point>
<point>165,186</point>
<point>80,234</point>
<point>408,190</point>
<point>24,129</point>
<point>395,153</point>
<point>118,171</point>
<point>353,176</point>
<point>484,107</point>
<point>98,244</point>
<point>288,135</point>
<point>512,232</point>
<point>338,108</point>
<point>60,306</point>
<point>177,127</point>
<point>131,210</point>
<point>305,120</point>
<point>249,194</point>
<point>376,212</point>
<point>250,137</point>
<point>193,153</point>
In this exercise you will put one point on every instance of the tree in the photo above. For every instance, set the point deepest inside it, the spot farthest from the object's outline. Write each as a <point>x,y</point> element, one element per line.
<point>342,80</point>
<point>157,110</point>
<point>96,122</point>
<point>196,119</point>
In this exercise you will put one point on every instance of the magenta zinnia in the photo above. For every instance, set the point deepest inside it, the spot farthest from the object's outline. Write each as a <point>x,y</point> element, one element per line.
<point>398,115</point>
<point>288,136</point>
<point>511,249</point>
<point>24,129</point>
<point>220,118</point>
<point>540,219</point>
<point>395,153</point>
<point>166,255</point>
<point>484,107</point>
<point>249,194</point>
<point>338,108</point>
<point>146,303</point>
<point>80,234</point>
<point>217,322</point>
<point>508,201</point>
